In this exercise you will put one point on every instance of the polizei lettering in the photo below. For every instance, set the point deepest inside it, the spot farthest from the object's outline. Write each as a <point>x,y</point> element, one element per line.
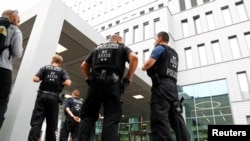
<point>171,73</point>
<point>107,46</point>
<point>216,132</point>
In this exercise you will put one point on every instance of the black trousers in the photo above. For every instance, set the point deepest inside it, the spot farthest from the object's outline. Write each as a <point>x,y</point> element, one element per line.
<point>5,88</point>
<point>46,106</point>
<point>163,115</point>
<point>100,92</point>
<point>69,126</point>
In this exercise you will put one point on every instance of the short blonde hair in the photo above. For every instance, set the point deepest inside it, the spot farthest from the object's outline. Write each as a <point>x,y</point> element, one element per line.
<point>8,12</point>
<point>76,93</point>
<point>57,59</point>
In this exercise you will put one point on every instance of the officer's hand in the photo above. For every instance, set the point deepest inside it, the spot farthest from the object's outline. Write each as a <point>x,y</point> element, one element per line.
<point>87,81</point>
<point>77,119</point>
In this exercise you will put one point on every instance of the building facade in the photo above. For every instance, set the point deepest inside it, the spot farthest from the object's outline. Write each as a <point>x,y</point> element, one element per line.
<point>212,38</point>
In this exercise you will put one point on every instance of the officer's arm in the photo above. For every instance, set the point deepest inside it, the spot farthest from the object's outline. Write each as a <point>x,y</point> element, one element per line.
<point>85,68</point>
<point>148,64</point>
<point>67,82</point>
<point>133,62</point>
<point>69,112</point>
<point>36,79</point>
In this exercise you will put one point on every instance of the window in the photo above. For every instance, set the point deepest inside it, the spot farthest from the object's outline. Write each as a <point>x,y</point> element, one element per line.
<point>226,15</point>
<point>244,84</point>
<point>234,47</point>
<point>146,30</point>
<point>182,5</point>
<point>210,20</point>
<point>185,29</point>
<point>241,11</point>
<point>205,104</point>
<point>103,27</point>
<point>136,34</point>
<point>248,119</point>
<point>194,3</point>
<point>117,33</point>
<point>151,9</point>
<point>189,57</point>
<point>160,5</point>
<point>110,25</point>
<point>197,24</point>
<point>117,22</point>
<point>202,54</point>
<point>127,37</point>
<point>216,51</point>
<point>247,37</point>
<point>108,37</point>
<point>157,26</point>
<point>146,55</point>
<point>142,12</point>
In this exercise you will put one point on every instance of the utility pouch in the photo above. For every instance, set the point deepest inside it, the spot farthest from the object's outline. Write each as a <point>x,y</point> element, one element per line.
<point>103,74</point>
<point>115,77</point>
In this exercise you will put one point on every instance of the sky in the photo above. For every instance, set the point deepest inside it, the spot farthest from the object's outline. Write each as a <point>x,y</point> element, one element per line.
<point>20,5</point>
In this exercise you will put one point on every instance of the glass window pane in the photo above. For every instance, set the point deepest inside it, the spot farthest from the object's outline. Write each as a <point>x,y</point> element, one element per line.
<point>146,30</point>
<point>244,86</point>
<point>157,26</point>
<point>197,23</point>
<point>241,11</point>
<point>226,15</point>
<point>202,55</point>
<point>136,34</point>
<point>185,28</point>
<point>189,58</point>
<point>146,54</point>
<point>218,87</point>
<point>234,47</point>
<point>247,37</point>
<point>210,20</point>
<point>216,51</point>
<point>205,104</point>
<point>127,37</point>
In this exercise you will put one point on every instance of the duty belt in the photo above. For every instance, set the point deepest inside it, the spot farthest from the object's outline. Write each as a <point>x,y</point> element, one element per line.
<point>106,74</point>
<point>48,92</point>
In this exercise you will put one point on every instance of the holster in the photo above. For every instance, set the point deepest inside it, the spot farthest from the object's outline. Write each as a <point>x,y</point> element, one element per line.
<point>104,75</point>
<point>155,80</point>
<point>178,104</point>
<point>124,84</point>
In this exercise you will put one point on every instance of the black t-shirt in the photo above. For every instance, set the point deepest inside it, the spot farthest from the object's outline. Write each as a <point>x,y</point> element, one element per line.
<point>52,78</point>
<point>119,58</point>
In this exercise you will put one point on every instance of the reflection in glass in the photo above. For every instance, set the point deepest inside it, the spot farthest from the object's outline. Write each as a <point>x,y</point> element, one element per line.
<point>205,104</point>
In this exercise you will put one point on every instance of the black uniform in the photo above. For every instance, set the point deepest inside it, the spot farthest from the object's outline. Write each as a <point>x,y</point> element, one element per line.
<point>46,105</point>
<point>71,126</point>
<point>164,99</point>
<point>107,62</point>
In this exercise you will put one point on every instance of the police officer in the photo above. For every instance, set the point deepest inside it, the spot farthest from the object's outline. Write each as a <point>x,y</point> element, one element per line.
<point>72,113</point>
<point>107,65</point>
<point>53,79</point>
<point>162,67</point>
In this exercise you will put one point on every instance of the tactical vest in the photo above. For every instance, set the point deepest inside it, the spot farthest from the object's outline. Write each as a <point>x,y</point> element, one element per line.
<point>110,56</point>
<point>52,79</point>
<point>166,66</point>
<point>76,106</point>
